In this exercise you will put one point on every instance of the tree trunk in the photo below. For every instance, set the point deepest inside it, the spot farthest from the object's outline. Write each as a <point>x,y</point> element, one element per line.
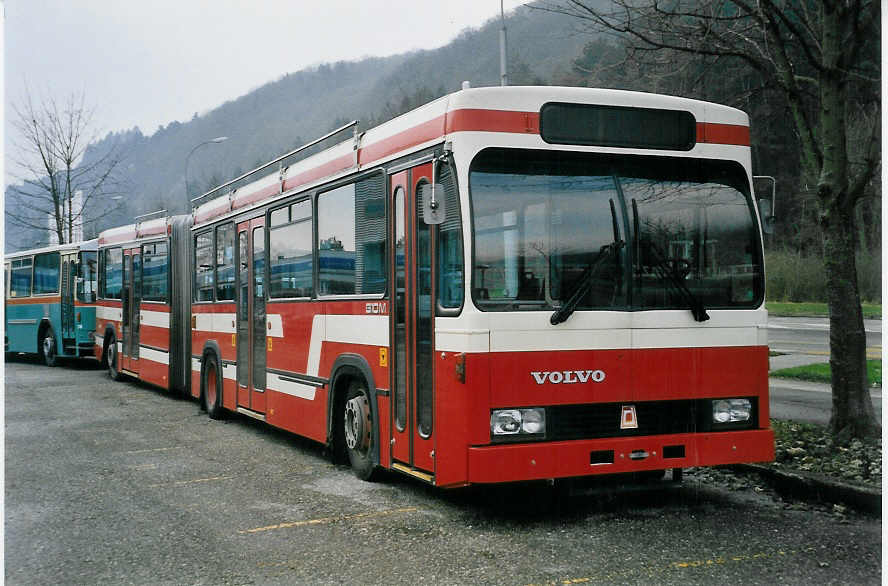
<point>852,409</point>
<point>852,413</point>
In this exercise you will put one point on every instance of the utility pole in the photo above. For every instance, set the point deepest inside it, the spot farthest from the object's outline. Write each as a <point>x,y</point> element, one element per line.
<point>504,80</point>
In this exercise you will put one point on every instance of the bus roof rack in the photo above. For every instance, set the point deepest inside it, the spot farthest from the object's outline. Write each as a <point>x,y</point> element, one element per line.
<point>149,214</point>
<point>351,124</point>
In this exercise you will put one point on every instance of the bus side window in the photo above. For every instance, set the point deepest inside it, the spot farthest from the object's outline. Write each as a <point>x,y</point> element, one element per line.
<point>225,262</point>
<point>46,273</point>
<point>203,267</point>
<point>155,269</point>
<point>290,248</point>
<point>352,238</point>
<point>450,247</point>
<point>20,285</point>
<point>112,273</point>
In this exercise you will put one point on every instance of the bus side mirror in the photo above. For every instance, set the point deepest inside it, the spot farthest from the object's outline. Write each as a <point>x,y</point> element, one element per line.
<point>433,209</point>
<point>765,213</point>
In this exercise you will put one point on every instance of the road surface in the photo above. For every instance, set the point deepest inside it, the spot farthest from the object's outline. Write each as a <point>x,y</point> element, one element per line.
<point>805,340</point>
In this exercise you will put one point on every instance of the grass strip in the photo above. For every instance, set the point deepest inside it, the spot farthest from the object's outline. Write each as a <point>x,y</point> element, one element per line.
<point>816,309</point>
<point>820,372</point>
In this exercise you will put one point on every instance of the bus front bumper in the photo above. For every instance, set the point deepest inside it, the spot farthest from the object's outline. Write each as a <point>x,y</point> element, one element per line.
<point>544,460</point>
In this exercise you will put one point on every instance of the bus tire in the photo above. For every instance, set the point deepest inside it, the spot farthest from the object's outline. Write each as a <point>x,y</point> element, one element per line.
<point>48,347</point>
<point>211,388</point>
<point>111,358</point>
<point>357,425</point>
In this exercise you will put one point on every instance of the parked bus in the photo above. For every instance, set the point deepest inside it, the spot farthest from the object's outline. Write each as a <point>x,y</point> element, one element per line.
<point>50,296</point>
<point>504,284</point>
<point>145,301</point>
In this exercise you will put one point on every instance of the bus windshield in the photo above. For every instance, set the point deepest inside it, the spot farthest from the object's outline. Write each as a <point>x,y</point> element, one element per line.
<point>595,231</point>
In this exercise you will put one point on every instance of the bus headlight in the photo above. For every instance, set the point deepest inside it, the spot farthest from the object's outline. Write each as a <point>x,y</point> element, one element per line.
<point>511,422</point>
<point>731,410</point>
<point>533,421</point>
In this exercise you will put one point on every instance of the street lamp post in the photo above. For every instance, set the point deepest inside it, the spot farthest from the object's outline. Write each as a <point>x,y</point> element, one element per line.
<point>216,140</point>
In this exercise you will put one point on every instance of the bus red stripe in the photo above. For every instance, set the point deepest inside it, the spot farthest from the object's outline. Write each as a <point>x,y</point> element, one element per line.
<point>711,133</point>
<point>468,120</point>
<point>429,130</point>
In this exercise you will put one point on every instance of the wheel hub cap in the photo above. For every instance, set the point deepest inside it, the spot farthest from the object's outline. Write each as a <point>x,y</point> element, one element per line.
<point>357,423</point>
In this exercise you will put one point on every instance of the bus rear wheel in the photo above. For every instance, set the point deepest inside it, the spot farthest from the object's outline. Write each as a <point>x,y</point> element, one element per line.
<point>212,390</point>
<point>357,422</point>
<point>48,347</point>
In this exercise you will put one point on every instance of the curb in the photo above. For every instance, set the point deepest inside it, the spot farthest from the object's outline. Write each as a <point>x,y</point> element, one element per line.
<point>817,488</point>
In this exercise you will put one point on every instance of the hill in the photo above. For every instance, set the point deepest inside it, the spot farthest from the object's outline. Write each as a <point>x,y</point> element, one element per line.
<point>300,106</point>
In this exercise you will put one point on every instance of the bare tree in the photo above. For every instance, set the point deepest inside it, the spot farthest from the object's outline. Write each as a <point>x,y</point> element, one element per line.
<point>59,187</point>
<point>823,57</point>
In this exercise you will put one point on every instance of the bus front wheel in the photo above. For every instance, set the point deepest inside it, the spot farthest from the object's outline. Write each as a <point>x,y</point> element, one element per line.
<point>111,356</point>
<point>48,347</point>
<point>357,422</point>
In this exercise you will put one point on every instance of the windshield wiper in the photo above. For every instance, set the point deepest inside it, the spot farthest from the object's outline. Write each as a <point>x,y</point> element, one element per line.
<point>568,307</point>
<point>670,274</point>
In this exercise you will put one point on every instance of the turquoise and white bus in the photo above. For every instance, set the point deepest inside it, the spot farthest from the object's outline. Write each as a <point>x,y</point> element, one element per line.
<point>50,296</point>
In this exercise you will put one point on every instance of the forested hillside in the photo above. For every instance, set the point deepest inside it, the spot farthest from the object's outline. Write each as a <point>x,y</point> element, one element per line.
<point>300,106</point>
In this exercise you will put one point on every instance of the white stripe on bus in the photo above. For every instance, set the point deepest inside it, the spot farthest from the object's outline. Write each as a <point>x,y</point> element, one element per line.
<point>347,329</point>
<point>112,313</point>
<point>158,319</point>
<point>303,391</point>
<point>275,325</point>
<point>154,355</point>
<point>222,323</point>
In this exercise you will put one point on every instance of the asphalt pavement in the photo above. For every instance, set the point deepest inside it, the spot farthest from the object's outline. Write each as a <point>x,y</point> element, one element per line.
<point>120,483</point>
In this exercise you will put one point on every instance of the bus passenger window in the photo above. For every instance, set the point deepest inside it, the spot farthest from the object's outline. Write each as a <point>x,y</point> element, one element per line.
<point>291,255</point>
<point>113,273</point>
<point>258,264</point>
<point>155,271</point>
<point>46,273</point>
<point>450,247</point>
<point>203,267</point>
<point>351,238</point>
<point>225,262</point>
<point>21,278</point>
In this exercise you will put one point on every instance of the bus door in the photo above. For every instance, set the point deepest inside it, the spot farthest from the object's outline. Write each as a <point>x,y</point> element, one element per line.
<point>132,300</point>
<point>251,320</point>
<point>67,289</point>
<point>412,323</point>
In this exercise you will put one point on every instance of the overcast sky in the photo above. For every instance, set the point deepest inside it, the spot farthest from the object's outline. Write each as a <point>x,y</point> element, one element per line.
<point>148,63</point>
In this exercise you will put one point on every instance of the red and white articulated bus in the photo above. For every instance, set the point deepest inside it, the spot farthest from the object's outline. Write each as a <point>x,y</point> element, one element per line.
<point>505,284</point>
<point>145,301</point>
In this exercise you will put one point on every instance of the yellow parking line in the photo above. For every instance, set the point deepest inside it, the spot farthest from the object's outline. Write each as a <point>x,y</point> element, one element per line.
<point>653,572</point>
<point>328,520</point>
<point>195,481</point>
<point>154,450</point>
